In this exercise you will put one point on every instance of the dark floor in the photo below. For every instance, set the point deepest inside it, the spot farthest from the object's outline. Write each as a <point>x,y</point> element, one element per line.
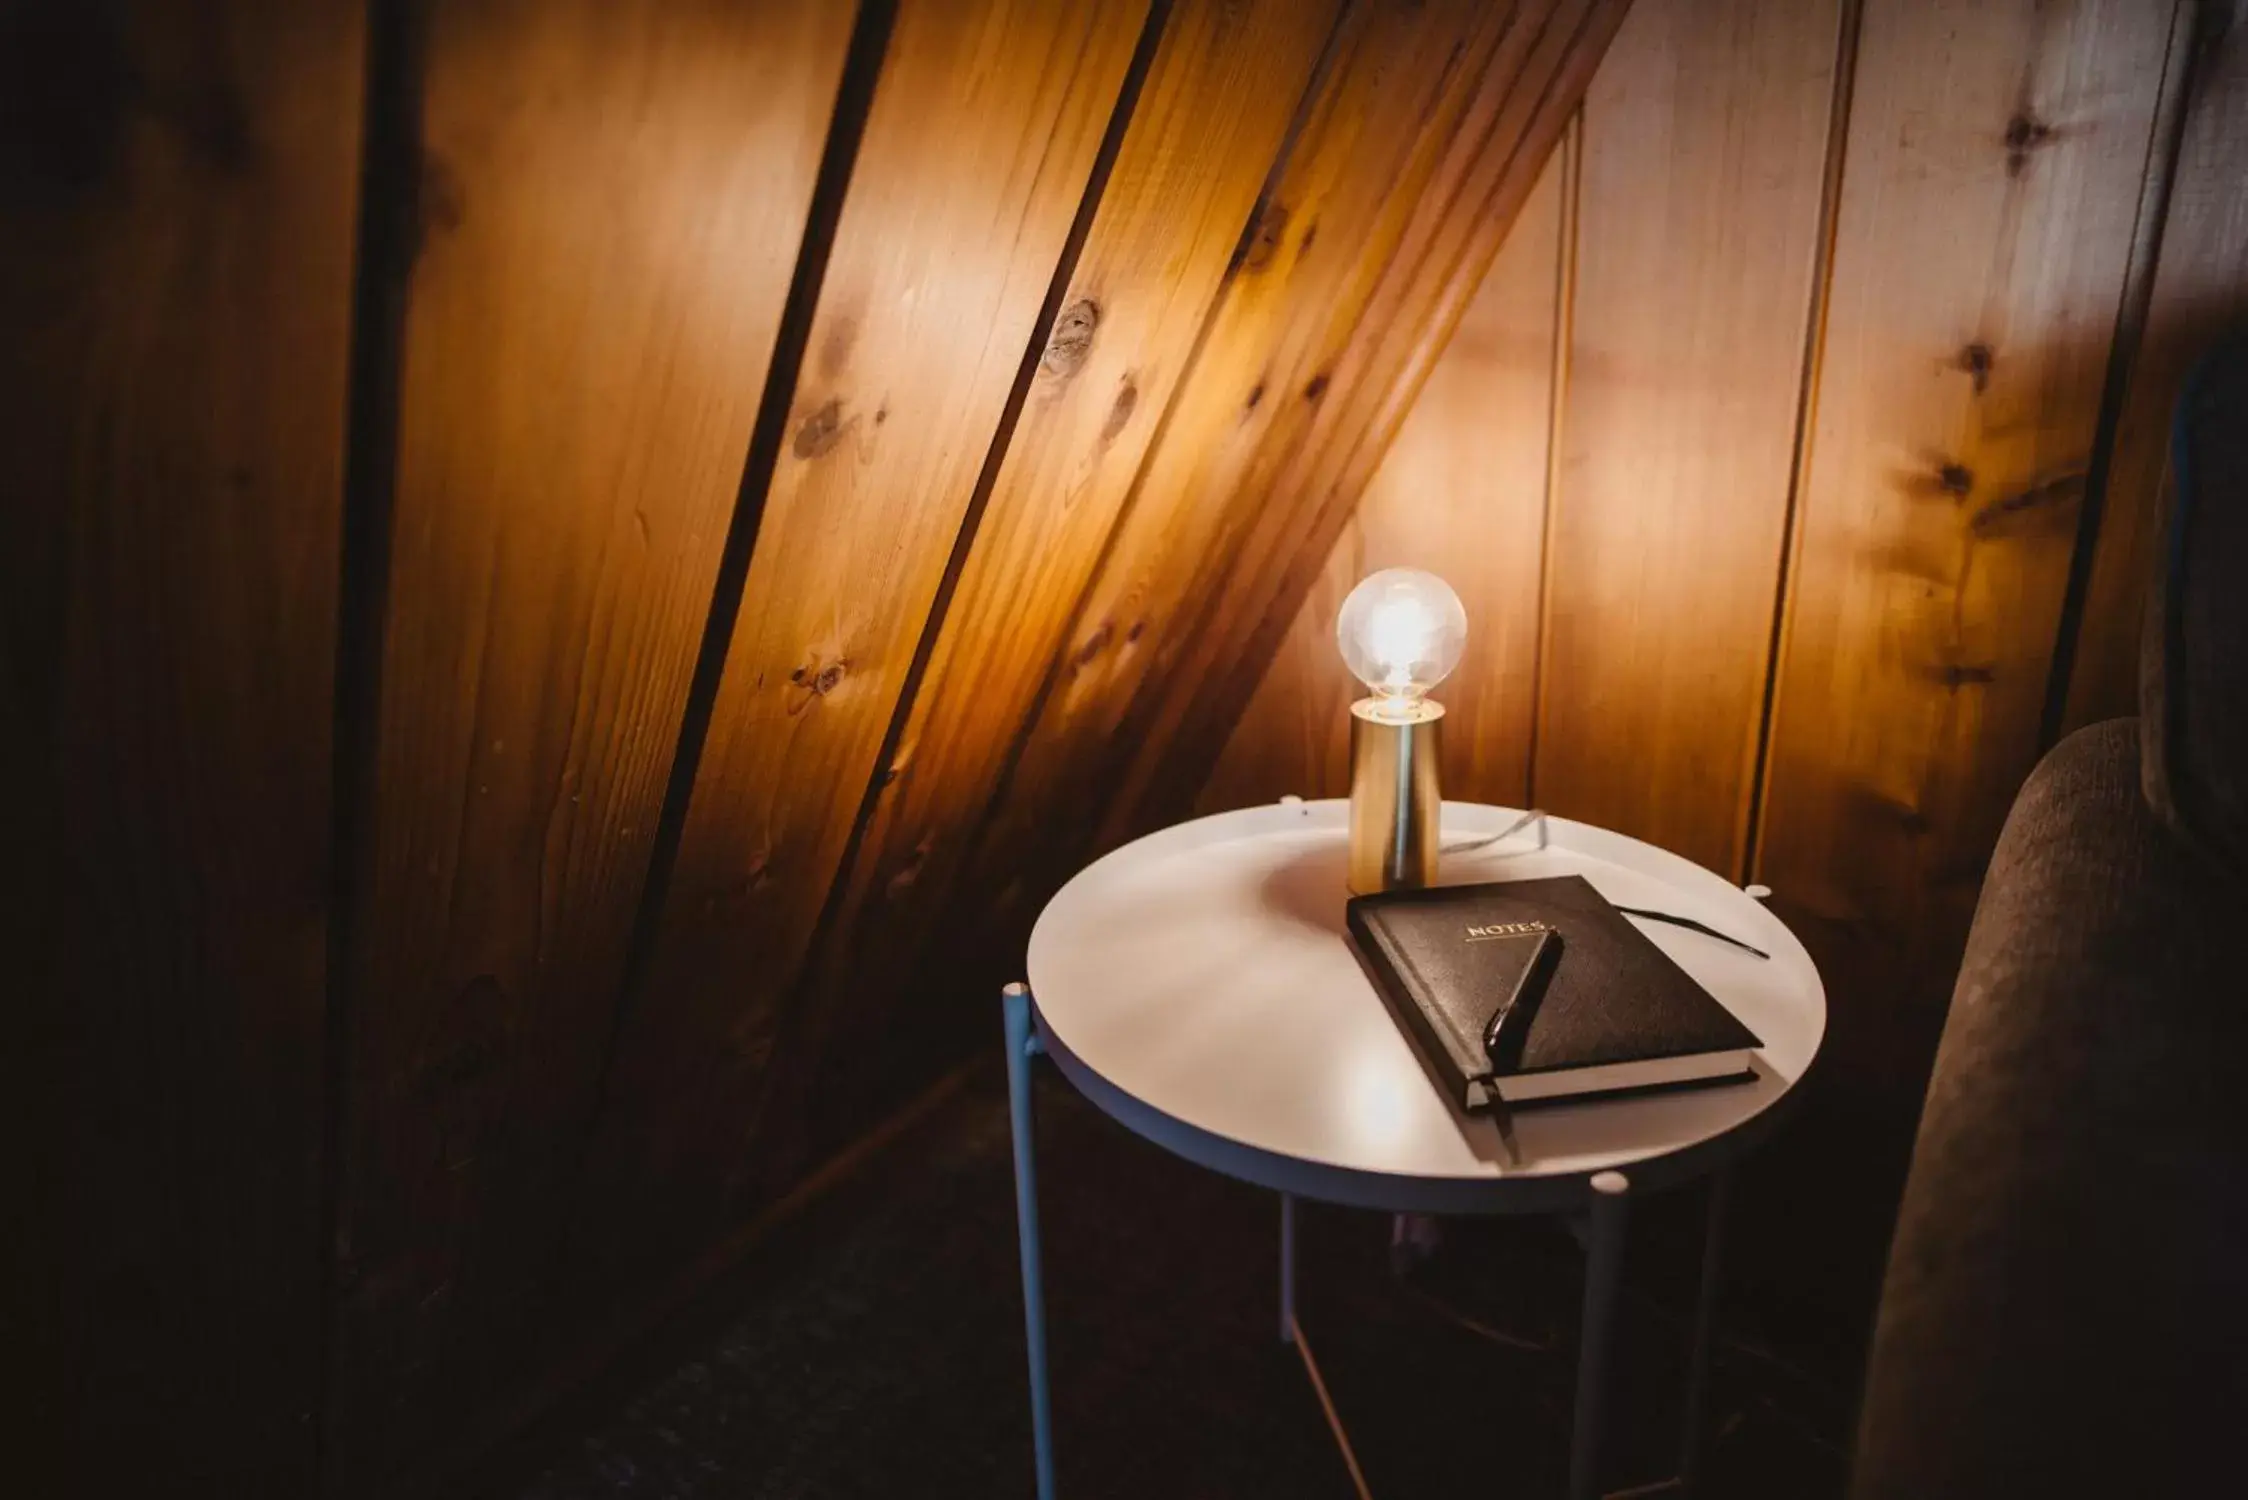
<point>874,1348</point>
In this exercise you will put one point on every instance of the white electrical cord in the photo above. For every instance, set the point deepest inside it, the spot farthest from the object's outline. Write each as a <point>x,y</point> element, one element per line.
<point>1511,829</point>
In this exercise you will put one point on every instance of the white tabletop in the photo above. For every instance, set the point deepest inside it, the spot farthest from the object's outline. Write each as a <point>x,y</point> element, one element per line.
<point>1196,984</point>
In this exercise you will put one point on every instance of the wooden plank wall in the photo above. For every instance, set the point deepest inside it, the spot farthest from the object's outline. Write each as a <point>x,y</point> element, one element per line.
<point>1983,235</point>
<point>1211,118</point>
<point>1691,249</point>
<point>554,543</point>
<point>1863,300</point>
<point>1463,492</point>
<point>539,538</point>
<point>1307,361</point>
<point>942,261</point>
<point>1283,500</point>
<point>1695,264</point>
<point>2199,288</point>
<point>175,286</point>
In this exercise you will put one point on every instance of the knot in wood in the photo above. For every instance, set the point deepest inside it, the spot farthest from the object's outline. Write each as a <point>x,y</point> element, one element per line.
<point>2026,130</point>
<point>1120,411</point>
<point>2024,134</point>
<point>1956,675</point>
<point>1095,643</point>
<point>1955,479</point>
<point>820,431</point>
<point>1976,359</point>
<point>1072,339</point>
<point>817,682</point>
<point>1265,233</point>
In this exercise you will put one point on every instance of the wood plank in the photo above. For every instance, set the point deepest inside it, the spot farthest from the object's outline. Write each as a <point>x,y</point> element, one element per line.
<point>1354,182</point>
<point>2200,290</point>
<point>1698,237</point>
<point>1366,153</point>
<point>1215,600</point>
<point>175,281</point>
<point>1289,742</point>
<point>1219,95</point>
<point>1994,155</point>
<point>1461,493</point>
<point>983,133</point>
<point>1363,146</point>
<point>612,201</point>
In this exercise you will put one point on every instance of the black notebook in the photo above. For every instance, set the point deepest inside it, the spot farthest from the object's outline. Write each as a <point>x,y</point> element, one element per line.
<point>1609,1013</point>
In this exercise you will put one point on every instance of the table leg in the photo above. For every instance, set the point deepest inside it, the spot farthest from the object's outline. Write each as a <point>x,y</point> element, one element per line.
<point>1705,1326</point>
<point>1603,1272</point>
<point>1021,1047</point>
<point>1287,1268</point>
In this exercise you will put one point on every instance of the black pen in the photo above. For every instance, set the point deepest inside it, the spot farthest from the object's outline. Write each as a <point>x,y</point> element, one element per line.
<point>1535,975</point>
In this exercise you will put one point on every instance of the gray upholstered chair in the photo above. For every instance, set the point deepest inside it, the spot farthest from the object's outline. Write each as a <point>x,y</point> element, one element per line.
<point>2066,1308</point>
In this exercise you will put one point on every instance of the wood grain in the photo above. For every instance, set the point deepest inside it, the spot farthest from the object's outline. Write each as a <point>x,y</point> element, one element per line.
<point>175,281</point>
<point>1994,154</point>
<point>984,129</point>
<point>1278,379</point>
<point>1461,493</point>
<point>1215,106</point>
<point>1281,487</point>
<point>1698,238</point>
<point>2200,291</point>
<point>611,202</point>
<point>1358,183</point>
<point>1361,138</point>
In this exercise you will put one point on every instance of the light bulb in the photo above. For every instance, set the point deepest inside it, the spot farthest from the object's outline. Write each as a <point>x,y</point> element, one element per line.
<point>1401,632</point>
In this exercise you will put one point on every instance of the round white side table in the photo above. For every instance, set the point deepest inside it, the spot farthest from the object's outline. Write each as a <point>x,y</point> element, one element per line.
<point>1196,985</point>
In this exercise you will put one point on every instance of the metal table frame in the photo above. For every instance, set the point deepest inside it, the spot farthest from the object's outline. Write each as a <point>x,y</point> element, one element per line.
<point>1602,1208</point>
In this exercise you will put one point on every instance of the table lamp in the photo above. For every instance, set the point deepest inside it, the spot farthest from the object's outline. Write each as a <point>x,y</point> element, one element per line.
<point>1401,632</point>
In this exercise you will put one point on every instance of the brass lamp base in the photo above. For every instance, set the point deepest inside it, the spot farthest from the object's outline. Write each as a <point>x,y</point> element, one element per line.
<point>1395,800</point>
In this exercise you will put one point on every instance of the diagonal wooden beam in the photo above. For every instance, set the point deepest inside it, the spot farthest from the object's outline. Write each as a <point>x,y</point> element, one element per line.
<point>1421,138</point>
<point>983,135</point>
<point>589,312</point>
<point>1284,507</point>
<point>1305,379</point>
<point>1217,108</point>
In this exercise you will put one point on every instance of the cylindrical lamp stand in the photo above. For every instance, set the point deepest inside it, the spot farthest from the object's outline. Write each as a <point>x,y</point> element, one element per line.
<point>1395,800</point>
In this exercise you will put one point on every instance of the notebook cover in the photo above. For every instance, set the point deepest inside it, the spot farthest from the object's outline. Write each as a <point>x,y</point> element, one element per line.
<point>1613,998</point>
